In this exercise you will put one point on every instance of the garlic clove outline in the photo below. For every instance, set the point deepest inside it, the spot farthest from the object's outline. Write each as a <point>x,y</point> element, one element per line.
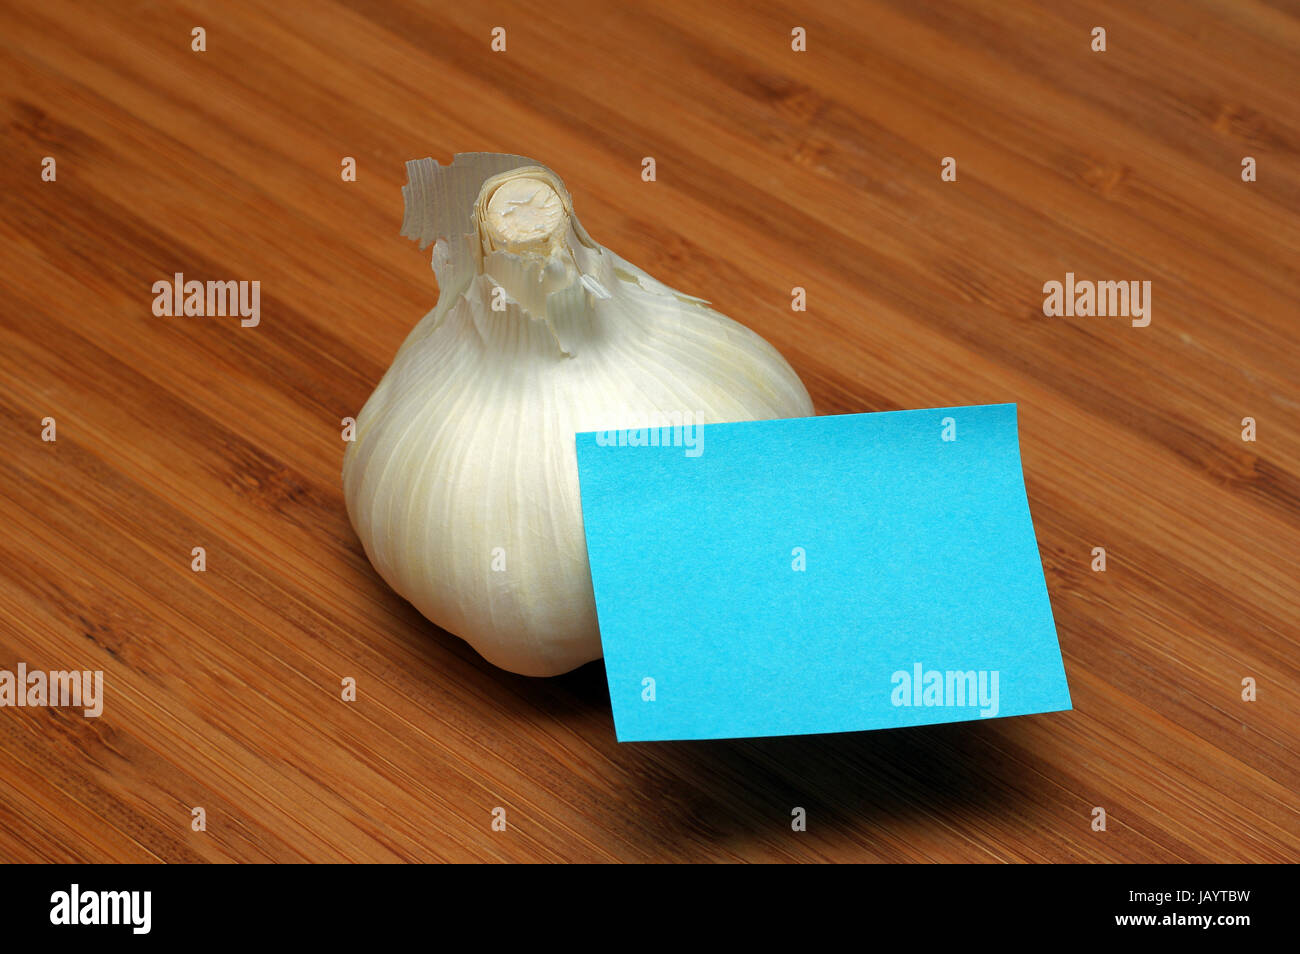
<point>462,479</point>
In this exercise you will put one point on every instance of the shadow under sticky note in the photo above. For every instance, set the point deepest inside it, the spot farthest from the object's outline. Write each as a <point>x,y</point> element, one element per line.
<point>821,574</point>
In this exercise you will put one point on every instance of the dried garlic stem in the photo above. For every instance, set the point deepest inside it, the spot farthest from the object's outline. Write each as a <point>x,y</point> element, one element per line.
<point>524,214</point>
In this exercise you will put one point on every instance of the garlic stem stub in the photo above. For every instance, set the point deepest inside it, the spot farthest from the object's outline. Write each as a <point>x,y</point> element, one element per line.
<point>462,480</point>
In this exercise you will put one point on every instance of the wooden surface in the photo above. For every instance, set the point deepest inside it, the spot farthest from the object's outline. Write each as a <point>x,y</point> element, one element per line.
<point>775,169</point>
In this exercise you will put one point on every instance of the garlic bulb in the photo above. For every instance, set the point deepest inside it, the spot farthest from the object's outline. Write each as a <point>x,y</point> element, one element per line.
<point>462,480</point>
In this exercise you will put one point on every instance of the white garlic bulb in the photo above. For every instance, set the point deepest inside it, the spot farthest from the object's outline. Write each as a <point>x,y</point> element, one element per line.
<point>462,480</point>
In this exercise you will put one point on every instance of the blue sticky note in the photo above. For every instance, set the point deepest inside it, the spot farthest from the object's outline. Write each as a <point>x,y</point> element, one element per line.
<point>821,574</point>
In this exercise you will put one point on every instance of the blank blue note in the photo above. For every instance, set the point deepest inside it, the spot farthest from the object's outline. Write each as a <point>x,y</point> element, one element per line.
<point>822,574</point>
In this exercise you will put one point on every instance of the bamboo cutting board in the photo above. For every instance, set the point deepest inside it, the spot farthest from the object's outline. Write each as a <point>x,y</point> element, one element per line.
<point>775,168</point>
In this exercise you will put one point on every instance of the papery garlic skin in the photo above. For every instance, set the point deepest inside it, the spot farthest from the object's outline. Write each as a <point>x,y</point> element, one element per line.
<point>462,481</point>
